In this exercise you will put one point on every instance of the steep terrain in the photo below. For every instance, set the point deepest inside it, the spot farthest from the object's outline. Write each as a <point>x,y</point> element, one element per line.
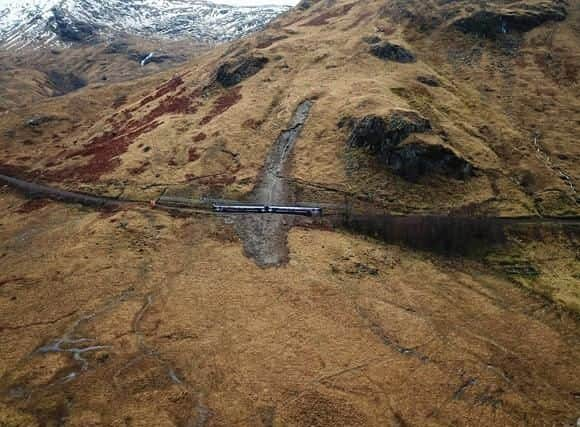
<point>49,23</point>
<point>136,317</point>
<point>31,75</point>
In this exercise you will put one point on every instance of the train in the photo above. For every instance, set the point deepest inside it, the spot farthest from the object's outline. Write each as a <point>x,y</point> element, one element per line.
<point>264,209</point>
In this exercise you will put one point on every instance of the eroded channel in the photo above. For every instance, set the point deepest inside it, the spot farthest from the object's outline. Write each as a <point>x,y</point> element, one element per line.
<point>265,236</point>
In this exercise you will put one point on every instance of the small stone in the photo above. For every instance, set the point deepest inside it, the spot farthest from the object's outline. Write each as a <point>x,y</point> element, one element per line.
<point>429,81</point>
<point>371,39</point>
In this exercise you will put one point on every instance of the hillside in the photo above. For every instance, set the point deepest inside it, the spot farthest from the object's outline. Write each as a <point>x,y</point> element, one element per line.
<point>137,317</point>
<point>31,75</point>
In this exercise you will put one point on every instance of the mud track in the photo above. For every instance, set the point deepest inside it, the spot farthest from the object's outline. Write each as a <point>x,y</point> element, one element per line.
<point>265,236</point>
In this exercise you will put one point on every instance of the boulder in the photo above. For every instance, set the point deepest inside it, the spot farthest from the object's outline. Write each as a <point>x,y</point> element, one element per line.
<point>232,73</point>
<point>392,52</point>
<point>393,141</point>
<point>519,17</point>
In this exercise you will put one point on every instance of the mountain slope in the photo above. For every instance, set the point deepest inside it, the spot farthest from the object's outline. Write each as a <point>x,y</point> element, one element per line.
<point>63,22</point>
<point>450,108</point>
<point>506,106</point>
<point>31,75</point>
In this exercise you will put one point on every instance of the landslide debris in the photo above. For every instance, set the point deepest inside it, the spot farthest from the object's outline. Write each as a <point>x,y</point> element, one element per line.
<point>387,138</point>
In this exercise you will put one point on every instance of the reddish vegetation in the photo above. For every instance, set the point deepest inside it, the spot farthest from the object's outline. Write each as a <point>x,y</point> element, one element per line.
<point>222,104</point>
<point>269,42</point>
<point>178,104</point>
<point>199,137</point>
<point>164,89</point>
<point>106,148</point>
<point>32,205</point>
<point>323,18</point>
<point>193,155</point>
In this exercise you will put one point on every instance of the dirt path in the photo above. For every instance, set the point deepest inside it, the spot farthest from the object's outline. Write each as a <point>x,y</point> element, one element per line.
<point>265,236</point>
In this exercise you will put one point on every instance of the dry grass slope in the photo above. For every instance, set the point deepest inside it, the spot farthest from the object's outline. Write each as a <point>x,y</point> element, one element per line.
<point>138,318</point>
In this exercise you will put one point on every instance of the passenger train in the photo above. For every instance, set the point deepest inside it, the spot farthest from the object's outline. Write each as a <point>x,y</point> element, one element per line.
<point>283,210</point>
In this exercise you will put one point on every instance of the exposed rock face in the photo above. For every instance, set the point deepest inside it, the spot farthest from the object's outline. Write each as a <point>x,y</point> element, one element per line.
<point>69,30</point>
<point>384,138</point>
<point>380,135</point>
<point>392,52</point>
<point>416,159</point>
<point>230,74</point>
<point>520,17</point>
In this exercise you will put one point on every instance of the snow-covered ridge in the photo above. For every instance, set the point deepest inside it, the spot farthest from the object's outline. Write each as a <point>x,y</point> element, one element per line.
<point>37,23</point>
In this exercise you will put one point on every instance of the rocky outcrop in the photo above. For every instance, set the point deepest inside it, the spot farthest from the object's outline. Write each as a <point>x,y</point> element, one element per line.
<point>232,73</point>
<point>415,159</point>
<point>70,30</point>
<point>519,17</point>
<point>379,135</point>
<point>392,52</point>
<point>387,138</point>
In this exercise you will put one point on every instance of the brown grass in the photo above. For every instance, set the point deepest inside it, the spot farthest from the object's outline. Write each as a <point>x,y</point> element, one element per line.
<point>223,104</point>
